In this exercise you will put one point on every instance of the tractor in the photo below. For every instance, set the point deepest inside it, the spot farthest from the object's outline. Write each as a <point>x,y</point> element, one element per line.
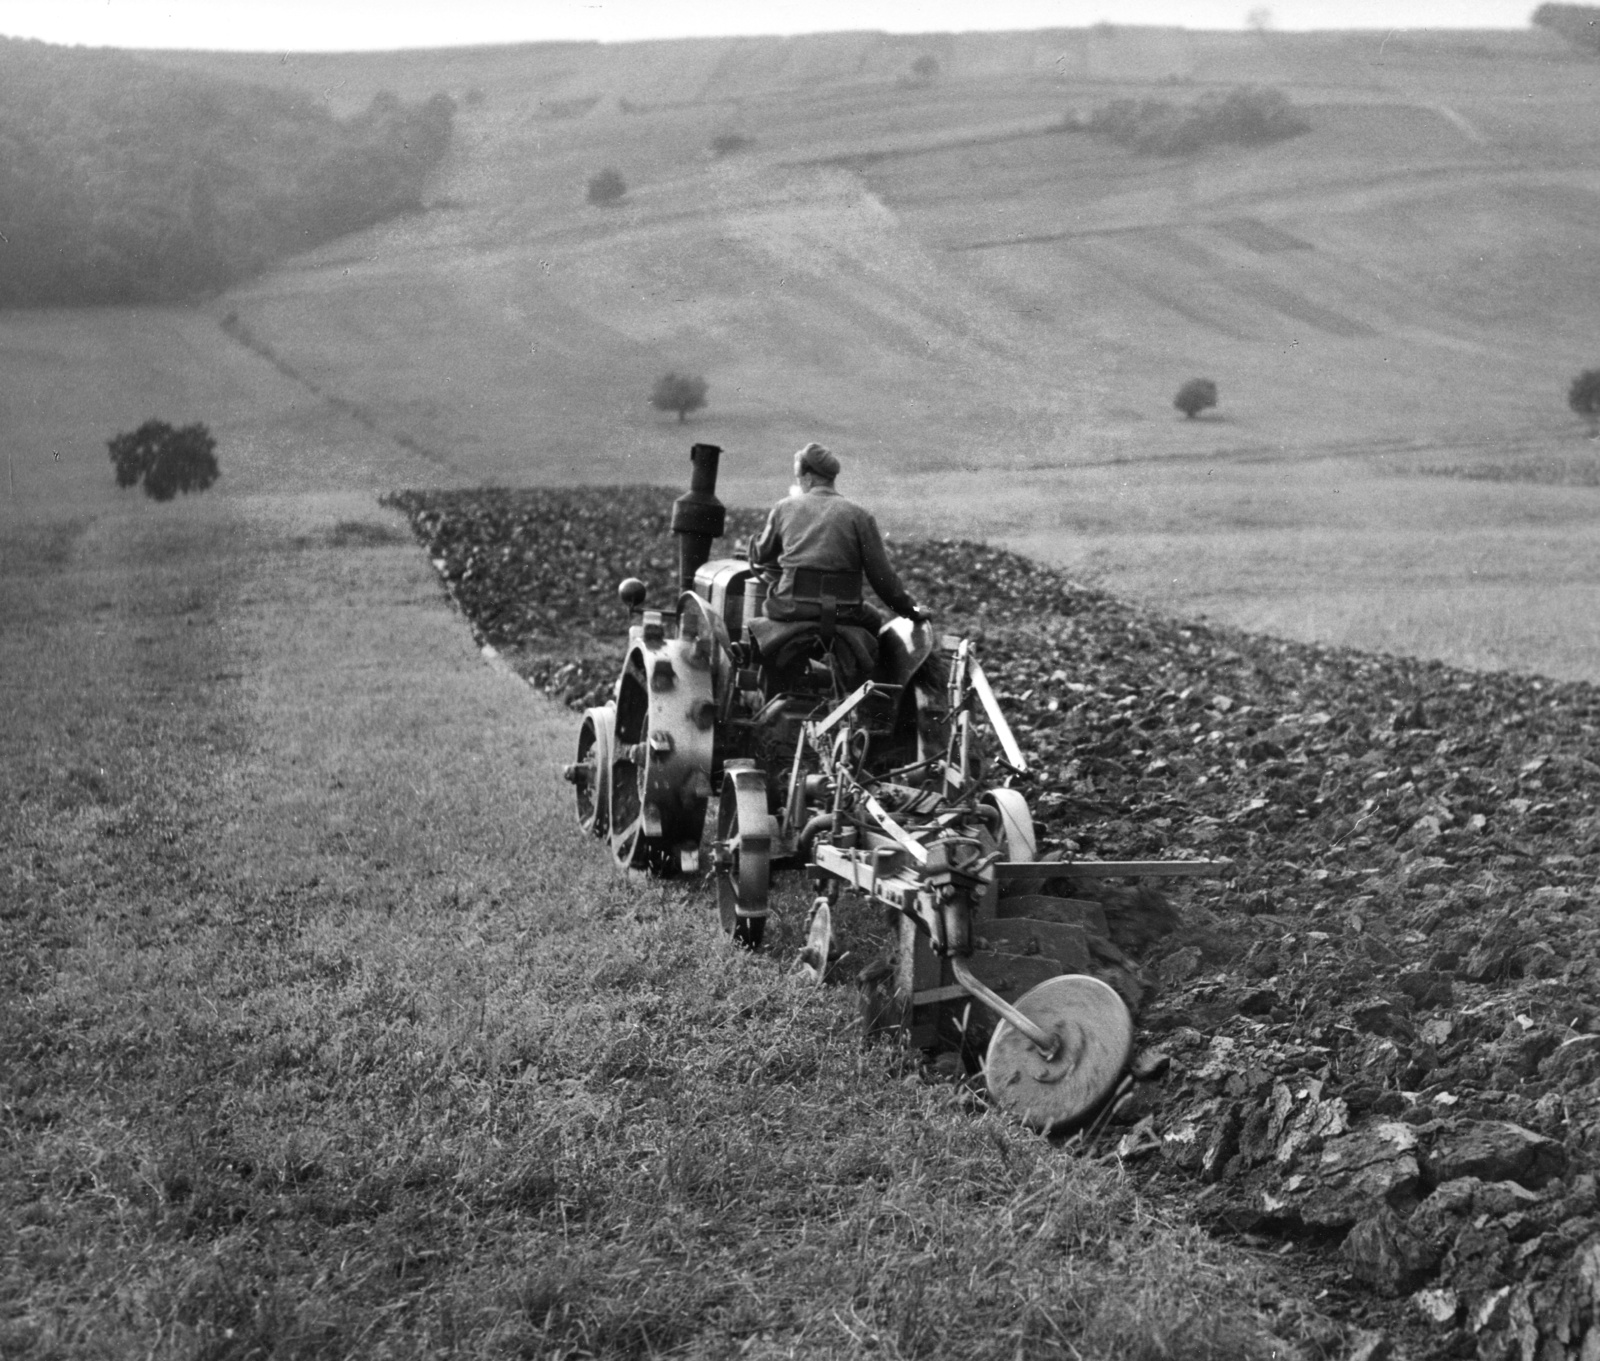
<point>891,788</point>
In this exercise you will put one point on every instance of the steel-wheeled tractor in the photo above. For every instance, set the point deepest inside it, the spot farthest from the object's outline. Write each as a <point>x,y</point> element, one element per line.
<point>882,769</point>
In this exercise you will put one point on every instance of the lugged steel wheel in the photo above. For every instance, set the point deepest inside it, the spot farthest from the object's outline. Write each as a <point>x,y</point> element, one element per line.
<point>744,856</point>
<point>591,772</point>
<point>632,847</point>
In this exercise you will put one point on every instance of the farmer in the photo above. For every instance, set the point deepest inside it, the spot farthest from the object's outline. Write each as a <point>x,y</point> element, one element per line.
<point>821,546</point>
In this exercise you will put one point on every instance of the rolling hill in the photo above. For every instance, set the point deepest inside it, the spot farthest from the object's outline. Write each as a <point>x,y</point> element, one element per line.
<point>935,277</point>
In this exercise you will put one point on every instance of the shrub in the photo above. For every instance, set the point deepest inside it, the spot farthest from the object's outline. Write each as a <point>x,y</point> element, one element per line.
<point>726,143</point>
<point>167,461</point>
<point>925,69</point>
<point>567,108</point>
<point>606,187</point>
<point>1195,396</point>
<point>678,392</point>
<point>1243,116</point>
<point>1584,397</point>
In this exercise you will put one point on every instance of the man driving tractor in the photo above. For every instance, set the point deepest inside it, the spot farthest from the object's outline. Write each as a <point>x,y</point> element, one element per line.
<point>823,545</point>
<point>820,548</point>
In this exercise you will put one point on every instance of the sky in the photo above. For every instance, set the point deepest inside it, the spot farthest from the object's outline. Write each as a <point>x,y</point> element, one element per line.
<point>350,25</point>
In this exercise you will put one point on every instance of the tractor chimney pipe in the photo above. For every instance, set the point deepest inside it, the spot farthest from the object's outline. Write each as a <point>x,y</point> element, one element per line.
<point>697,516</point>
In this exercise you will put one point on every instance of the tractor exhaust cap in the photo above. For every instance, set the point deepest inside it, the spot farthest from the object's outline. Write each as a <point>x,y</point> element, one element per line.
<point>697,516</point>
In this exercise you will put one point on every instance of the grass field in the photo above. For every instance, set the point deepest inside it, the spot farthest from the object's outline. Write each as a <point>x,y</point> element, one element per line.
<point>322,1033</point>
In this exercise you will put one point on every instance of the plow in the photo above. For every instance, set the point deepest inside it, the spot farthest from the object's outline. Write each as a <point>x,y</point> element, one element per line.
<point>883,771</point>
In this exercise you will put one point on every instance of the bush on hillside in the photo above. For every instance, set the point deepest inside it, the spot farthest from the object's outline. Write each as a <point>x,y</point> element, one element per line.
<point>606,187</point>
<point>727,143</point>
<point>925,69</point>
<point>1244,116</point>
<point>124,181</point>
<point>1195,396</point>
<point>678,392</point>
<point>1578,24</point>
<point>1584,398</point>
<point>167,461</point>
<point>567,108</point>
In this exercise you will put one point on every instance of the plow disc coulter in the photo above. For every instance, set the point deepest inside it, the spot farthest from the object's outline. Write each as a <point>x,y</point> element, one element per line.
<point>892,792</point>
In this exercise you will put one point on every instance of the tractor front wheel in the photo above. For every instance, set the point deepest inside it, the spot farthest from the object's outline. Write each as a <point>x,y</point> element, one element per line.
<point>743,852</point>
<point>591,772</point>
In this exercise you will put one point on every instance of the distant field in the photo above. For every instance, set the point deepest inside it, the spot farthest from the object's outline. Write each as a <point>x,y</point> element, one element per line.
<point>930,279</point>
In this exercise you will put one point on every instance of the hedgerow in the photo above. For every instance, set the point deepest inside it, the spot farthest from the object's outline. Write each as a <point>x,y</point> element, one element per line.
<point>1242,116</point>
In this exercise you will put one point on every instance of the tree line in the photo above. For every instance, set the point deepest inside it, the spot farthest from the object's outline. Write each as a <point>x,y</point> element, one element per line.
<point>1243,116</point>
<point>124,181</point>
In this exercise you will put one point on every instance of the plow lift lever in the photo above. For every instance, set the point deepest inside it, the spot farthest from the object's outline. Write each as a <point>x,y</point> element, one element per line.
<point>997,719</point>
<point>902,838</point>
<point>846,705</point>
<point>1048,1045</point>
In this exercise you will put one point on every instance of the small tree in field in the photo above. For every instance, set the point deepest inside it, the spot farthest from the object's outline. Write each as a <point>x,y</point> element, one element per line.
<point>1584,398</point>
<point>167,461</point>
<point>606,187</point>
<point>1195,396</point>
<point>678,392</point>
<point>925,69</point>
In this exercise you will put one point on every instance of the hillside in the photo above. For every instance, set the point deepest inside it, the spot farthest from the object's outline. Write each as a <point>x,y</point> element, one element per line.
<point>934,278</point>
<point>122,181</point>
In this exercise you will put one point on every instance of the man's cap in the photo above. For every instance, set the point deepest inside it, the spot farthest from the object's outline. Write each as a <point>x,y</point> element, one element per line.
<point>814,458</point>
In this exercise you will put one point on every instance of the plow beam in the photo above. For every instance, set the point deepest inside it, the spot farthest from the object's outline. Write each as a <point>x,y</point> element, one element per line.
<point>1113,869</point>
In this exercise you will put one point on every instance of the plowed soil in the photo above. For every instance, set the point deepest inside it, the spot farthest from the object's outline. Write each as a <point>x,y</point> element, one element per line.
<point>1405,952</point>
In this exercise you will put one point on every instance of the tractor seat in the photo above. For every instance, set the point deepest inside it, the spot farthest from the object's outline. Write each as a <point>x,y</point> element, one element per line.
<point>789,648</point>
<point>815,633</point>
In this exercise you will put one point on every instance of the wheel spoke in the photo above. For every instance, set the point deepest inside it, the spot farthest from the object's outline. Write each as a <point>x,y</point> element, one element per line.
<point>625,842</point>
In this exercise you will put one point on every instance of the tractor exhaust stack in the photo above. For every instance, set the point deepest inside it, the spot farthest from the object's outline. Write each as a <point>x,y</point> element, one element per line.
<point>697,516</point>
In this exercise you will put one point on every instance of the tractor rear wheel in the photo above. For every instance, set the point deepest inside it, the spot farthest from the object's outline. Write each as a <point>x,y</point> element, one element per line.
<point>634,845</point>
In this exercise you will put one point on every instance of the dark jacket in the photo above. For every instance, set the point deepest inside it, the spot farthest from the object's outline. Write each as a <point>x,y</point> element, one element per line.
<point>821,532</point>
